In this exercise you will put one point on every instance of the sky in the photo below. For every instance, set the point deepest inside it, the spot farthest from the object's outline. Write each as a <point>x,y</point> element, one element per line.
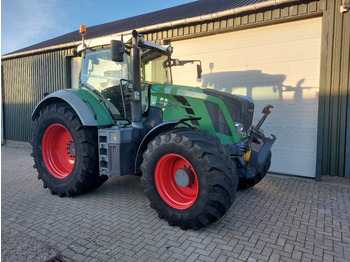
<point>28,22</point>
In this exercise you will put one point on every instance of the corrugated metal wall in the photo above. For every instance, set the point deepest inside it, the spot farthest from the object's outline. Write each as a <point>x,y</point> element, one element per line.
<point>25,80</point>
<point>272,15</point>
<point>333,131</point>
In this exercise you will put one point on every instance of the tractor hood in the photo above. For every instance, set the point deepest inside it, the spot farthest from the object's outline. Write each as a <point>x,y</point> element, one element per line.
<point>197,102</point>
<point>195,92</point>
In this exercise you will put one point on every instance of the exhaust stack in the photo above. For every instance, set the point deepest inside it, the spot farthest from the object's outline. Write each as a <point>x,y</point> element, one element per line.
<point>136,103</point>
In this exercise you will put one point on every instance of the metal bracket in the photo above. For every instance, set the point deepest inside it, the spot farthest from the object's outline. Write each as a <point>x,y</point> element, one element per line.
<point>258,156</point>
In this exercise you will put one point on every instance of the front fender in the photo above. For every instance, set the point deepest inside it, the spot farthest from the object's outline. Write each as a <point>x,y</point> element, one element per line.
<point>89,109</point>
<point>165,126</point>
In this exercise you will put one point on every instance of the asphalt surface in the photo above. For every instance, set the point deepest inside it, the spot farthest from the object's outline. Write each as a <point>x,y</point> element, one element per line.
<point>280,219</point>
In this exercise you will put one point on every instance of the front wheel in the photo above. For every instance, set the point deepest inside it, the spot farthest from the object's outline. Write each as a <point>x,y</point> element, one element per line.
<point>189,178</point>
<point>65,152</point>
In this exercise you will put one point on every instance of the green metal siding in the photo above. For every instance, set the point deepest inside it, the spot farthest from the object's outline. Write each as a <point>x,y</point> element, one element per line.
<point>333,129</point>
<point>271,15</point>
<point>25,80</point>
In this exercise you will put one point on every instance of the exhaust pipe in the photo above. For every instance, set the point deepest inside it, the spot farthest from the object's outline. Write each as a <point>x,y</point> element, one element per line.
<point>136,102</point>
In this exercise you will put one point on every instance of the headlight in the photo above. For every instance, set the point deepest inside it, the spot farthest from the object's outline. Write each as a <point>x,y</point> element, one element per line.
<point>239,128</point>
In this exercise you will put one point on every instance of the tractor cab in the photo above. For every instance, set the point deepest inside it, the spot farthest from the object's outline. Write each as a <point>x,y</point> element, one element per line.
<point>107,70</point>
<point>112,80</point>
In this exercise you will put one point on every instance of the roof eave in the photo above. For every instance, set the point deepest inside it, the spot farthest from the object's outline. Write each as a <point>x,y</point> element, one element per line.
<point>234,11</point>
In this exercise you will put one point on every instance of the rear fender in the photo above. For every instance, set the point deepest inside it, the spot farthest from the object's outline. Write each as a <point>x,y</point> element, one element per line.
<point>89,110</point>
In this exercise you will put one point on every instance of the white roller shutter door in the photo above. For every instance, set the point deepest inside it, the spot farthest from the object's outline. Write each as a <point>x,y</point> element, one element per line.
<point>276,64</point>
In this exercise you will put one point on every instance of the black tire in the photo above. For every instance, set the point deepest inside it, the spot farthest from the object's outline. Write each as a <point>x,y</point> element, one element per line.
<point>245,183</point>
<point>216,173</point>
<point>84,174</point>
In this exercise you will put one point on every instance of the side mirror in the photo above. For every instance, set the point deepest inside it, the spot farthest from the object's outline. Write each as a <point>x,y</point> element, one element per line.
<point>199,71</point>
<point>117,51</point>
<point>177,62</point>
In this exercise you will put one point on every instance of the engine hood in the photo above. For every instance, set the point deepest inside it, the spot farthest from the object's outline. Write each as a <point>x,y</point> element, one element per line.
<point>240,108</point>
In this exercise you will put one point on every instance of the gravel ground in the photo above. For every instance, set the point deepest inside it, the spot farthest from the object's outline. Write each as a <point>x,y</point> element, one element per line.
<point>18,246</point>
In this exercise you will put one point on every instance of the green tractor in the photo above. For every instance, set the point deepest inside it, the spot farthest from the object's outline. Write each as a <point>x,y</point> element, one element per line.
<point>194,147</point>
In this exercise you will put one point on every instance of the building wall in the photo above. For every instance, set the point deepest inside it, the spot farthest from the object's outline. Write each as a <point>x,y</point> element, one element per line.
<point>276,64</point>
<point>24,82</point>
<point>272,15</point>
<point>334,111</point>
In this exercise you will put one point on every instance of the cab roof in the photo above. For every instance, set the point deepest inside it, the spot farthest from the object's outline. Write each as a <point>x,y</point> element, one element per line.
<point>104,41</point>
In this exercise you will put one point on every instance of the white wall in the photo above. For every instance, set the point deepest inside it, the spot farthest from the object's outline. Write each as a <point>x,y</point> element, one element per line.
<point>277,64</point>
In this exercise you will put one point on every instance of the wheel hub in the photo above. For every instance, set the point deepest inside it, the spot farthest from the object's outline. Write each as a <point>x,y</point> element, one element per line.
<point>71,148</point>
<point>184,177</point>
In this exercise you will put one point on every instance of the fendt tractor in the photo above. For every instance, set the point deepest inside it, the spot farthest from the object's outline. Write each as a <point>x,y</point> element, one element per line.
<point>193,146</point>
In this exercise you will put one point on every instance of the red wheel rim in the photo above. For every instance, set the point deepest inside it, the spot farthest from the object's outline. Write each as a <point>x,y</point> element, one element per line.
<point>174,195</point>
<point>58,151</point>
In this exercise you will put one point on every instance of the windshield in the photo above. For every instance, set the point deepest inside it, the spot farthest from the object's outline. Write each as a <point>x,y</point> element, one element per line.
<point>111,79</point>
<point>102,75</point>
<point>100,72</point>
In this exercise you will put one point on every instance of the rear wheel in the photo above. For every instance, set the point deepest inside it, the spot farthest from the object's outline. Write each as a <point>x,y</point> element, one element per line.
<point>65,152</point>
<point>189,178</point>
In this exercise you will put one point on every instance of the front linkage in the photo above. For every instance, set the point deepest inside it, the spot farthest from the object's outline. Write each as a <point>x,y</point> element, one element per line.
<point>257,159</point>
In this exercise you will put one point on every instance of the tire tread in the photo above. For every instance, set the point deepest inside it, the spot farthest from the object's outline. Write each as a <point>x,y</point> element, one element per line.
<point>87,172</point>
<point>222,179</point>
